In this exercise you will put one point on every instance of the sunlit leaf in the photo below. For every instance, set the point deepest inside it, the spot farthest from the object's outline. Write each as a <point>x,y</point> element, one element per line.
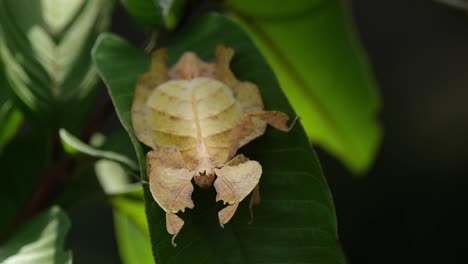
<point>171,11</point>
<point>39,241</point>
<point>73,145</point>
<point>128,206</point>
<point>295,222</point>
<point>312,47</point>
<point>46,45</point>
<point>132,229</point>
<point>10,120</point>
<point>105,173</point>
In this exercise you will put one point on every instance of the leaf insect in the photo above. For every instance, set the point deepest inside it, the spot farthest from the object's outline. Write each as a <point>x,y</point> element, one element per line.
<point>195,116</point>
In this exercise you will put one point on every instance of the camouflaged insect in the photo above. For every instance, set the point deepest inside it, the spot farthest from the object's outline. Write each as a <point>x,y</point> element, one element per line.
<point>195,116</point>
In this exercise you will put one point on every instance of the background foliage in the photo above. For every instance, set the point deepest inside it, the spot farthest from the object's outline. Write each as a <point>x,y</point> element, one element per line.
<point>51,119</point>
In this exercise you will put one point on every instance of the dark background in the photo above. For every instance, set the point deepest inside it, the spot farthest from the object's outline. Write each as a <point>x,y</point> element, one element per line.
<point>411,206</point>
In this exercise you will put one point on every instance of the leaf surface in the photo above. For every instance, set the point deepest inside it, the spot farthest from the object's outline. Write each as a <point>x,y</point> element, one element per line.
<point>10,117</point>
<point>131,228</point>
<point>10,120</point>
<point>145,12</point>
<point>72,144</point>
<point>312,47</point>
<point>295,221</point>
<point>46,46</point>
<point>171,11</point>
<point>39,241</point>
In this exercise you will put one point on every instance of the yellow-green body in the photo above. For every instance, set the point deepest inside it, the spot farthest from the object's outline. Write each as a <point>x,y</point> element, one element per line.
<point>195,116</point>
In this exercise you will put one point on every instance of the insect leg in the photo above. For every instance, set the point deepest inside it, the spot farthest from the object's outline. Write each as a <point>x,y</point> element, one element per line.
<point>170,184</point>
<point>233,184</point>
<point>222,70</point>
<point>254,200</point>
<point>275,119</point>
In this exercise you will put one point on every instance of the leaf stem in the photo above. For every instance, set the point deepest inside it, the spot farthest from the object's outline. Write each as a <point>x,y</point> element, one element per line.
<point>151,42</point>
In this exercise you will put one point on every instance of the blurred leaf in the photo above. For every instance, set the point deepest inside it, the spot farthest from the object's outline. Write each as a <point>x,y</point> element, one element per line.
<point>10,117</point>
<point>312,47</point>
<point>73,146</point>
<point>93,179</point>
<point>171,11</point>
<point>40,241</point>
<point>460,4</point>
<point>118,141</point>
<point>121,89</point>
<point>22,164</point>
<point>10,120</point>
<point>46,46</point>
<point>83,189</point>
<point>131,229</point>
<point>113,177</point>
<point>129,212</point>
<point>296,220</point>
<point>145,12</point>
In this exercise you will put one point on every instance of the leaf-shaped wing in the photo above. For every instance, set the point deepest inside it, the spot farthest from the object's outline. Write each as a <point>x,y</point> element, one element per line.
<point>169,180</point>
<point>233,184</point>
<point>170,185</point>
<point>146,83</point>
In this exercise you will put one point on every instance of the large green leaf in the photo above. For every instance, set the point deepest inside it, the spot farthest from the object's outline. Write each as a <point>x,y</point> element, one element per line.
<point>312,49</point>
<point>46,46</point>
<point>121,89</point>
<point>40,241</point>
<point>296,220</point>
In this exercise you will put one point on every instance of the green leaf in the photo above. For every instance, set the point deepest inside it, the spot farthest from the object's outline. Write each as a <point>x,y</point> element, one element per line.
<point>131,228</point>
<point>315,54</point>
<point>121,89</point>
<point>295,221</point>
<point>46,46</point>
<point>103,175</point>
<point>171,11</point>
<point>113,178</point>
<point>10,117</point>
<point>129,212</point>
<point>10,120</point>
<point>83,189</point>
<point>144,12</point>
<point>73,145</point>
<point>151,14</point>
<point>119,141</point>
<point>40,241</point>
<point>22,164</point>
